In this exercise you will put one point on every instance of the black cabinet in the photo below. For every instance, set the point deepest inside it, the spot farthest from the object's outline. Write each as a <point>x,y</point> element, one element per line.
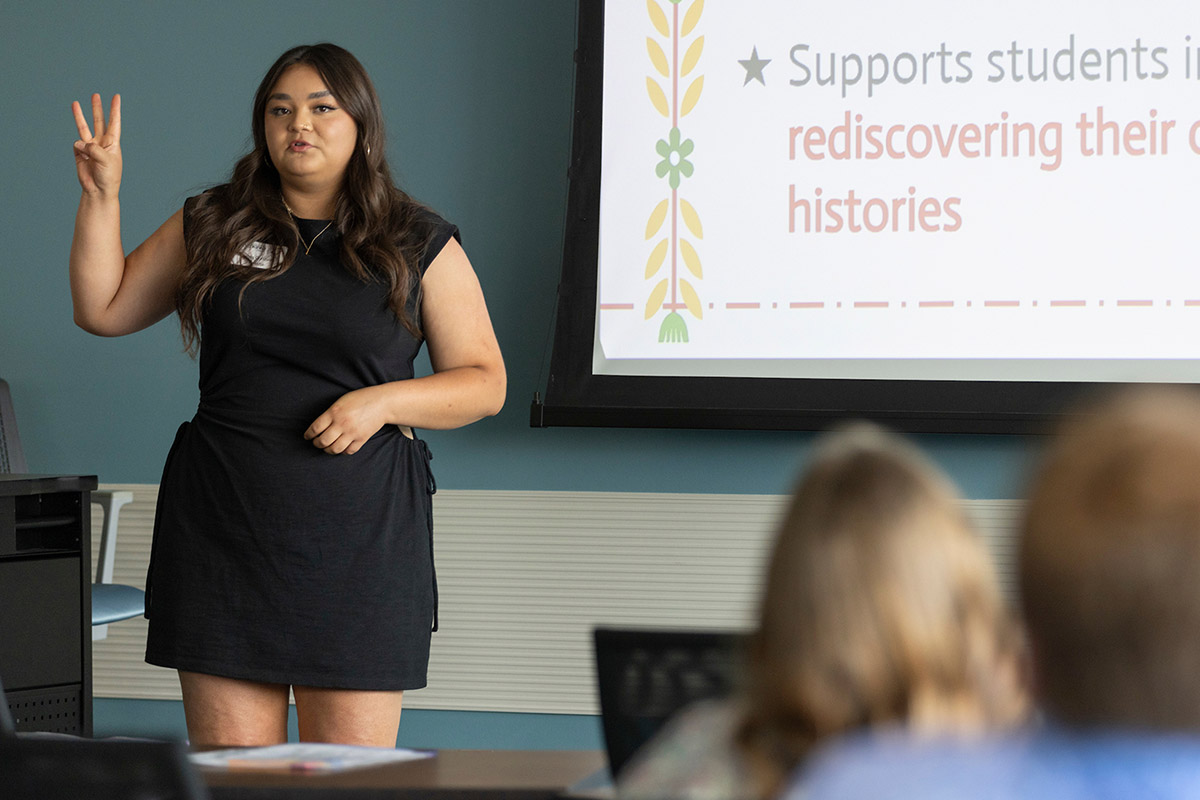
<point>46,601</point>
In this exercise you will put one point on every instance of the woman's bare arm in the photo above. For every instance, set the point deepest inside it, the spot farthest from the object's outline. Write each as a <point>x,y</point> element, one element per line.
<point>469,379</point>
<point>114,294</point>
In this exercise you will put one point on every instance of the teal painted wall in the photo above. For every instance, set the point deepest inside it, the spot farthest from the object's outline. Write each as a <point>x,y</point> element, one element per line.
<point>478,101</point>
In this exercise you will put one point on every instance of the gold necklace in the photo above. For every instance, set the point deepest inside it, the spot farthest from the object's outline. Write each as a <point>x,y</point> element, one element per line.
<point>309,246</point>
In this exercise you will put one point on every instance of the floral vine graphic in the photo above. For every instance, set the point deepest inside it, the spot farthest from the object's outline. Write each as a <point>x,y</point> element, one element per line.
<point>675,166</point>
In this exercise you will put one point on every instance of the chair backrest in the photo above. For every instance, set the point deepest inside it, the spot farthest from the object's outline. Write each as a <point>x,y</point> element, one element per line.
<point>72,768</point>
<point>645,676</point>
<point>12,457</point>
<point>8,728</point>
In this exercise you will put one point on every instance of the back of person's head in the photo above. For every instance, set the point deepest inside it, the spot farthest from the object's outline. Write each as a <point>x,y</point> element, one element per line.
<point>880,607</point>
<point>1110,565</point>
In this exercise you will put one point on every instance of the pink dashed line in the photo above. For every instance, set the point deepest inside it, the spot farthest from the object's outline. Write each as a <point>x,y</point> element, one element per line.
<point>818,304</point>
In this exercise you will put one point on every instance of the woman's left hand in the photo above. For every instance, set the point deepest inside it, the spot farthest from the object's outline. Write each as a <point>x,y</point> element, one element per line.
<point>468,380</point>
<point>347,424</point>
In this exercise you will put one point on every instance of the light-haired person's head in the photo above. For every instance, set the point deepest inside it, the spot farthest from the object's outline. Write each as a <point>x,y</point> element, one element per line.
<point>1110,564</point>
<point>881,607</point>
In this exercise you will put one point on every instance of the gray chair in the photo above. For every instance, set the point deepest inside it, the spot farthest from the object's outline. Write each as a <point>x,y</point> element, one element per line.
<point>8,727</point>
<point>111,602</point>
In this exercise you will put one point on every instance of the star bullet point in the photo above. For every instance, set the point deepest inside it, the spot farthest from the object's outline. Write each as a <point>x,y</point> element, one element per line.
<point>754,67</point>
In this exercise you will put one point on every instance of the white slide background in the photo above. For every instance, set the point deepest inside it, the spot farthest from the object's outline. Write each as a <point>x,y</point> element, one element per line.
<point>1054,265</point>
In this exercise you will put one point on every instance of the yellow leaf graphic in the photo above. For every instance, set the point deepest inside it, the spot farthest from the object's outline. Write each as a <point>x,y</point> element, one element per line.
<point>656,298</point>
<point>691,258</point>
<point>657,57</point>
<point>691,56</point>
<point>657,217</point>
<point>657,97</point>
<point>658,18</point>
<point>691,17</point>
<point>691,218</point>
<point>657,256</point>
<point>691,95</point>
<point>691,299</point>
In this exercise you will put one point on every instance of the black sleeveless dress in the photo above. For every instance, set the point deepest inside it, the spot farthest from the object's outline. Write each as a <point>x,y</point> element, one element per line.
<point>272,560</point>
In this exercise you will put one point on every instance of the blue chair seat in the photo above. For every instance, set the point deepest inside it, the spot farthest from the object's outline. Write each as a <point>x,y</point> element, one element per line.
<point>112,602</point>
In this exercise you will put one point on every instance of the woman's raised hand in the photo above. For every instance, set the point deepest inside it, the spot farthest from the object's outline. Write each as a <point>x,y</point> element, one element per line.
<point>98,149</point>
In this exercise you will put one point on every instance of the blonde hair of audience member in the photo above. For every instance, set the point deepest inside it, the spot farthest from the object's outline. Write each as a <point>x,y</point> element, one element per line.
<point>1110,565</point>
<point>881,606</point>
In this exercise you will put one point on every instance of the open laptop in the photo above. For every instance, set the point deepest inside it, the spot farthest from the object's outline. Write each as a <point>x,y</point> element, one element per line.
<point>644,676</point>
<point>39,766</point>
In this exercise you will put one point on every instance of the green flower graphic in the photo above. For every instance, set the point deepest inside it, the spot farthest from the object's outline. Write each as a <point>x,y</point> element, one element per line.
<point>674,154</point>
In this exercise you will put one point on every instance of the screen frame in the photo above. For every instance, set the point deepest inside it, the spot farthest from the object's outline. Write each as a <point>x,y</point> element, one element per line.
<point>576,397</point>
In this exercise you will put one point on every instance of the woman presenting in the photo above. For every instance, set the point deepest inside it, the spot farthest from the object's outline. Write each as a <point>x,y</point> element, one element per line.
<point>293,535</point>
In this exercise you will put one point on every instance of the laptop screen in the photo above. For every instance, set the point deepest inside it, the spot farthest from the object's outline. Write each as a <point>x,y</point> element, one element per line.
<point>645,676</point>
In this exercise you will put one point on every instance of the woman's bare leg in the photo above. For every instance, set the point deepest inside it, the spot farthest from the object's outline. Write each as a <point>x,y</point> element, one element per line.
<point>226,712</point>
<point>348,716</point>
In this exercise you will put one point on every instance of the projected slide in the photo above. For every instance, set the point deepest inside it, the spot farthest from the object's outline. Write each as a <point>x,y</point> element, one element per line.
<point>919,190</point>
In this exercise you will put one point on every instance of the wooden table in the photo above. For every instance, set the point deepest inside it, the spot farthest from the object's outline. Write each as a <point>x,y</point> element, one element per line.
<point>474,774</point>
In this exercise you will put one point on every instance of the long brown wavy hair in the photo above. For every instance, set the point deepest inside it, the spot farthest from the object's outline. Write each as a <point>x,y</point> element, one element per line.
<point>880,608</point>
<point>382,237</point>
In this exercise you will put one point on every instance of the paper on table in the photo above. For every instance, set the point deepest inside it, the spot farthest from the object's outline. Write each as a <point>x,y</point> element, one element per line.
<point>305,757</point>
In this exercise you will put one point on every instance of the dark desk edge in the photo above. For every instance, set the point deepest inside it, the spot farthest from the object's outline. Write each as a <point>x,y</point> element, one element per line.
<point>24,483</point>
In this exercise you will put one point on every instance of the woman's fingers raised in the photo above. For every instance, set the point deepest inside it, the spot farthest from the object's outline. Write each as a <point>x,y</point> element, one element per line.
<point>98,116</point>
<point>114,119</point>
<point>98,149</point>
<point>99,127</point>
<point>85,133</point>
